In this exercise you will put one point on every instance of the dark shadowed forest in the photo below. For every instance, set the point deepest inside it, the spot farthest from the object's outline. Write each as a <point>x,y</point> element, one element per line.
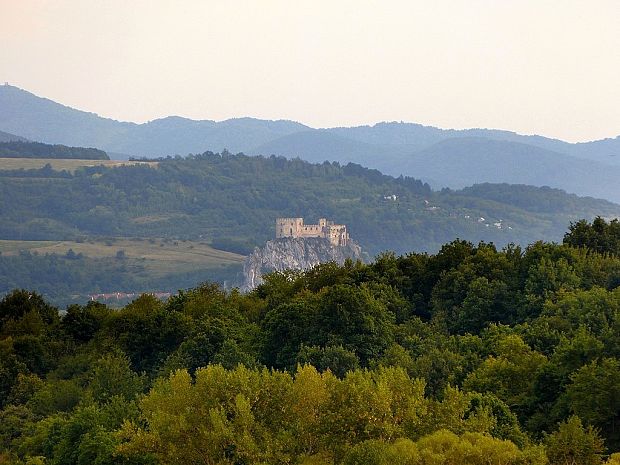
<point>472,355</point>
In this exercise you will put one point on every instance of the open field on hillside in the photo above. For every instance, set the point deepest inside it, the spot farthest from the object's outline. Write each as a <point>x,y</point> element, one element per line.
<point>61,163</point>
<point>159,257</point>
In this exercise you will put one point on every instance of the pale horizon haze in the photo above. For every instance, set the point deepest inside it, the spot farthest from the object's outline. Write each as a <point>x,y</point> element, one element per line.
<point>535,67</point>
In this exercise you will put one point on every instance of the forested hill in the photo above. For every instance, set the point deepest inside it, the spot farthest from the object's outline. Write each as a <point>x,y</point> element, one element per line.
<point>237,197</point>
<point>6,137</point>
<point>443,157</point>
<point>471,356</point>
<point>457,163</point>
<point>26,149</point>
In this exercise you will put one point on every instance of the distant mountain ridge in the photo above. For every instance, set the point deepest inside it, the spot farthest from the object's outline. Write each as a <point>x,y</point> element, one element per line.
<point>6,137</point>
<point>513,163</point>
<point>46,121</point>
<point>423,152</point>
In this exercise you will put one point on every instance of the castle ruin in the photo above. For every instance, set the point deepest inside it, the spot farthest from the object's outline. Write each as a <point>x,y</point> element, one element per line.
<point>294,227</point>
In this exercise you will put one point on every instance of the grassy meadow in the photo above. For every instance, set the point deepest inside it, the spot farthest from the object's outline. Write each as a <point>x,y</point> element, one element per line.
<point>62,163</point>
<point>159,257</point>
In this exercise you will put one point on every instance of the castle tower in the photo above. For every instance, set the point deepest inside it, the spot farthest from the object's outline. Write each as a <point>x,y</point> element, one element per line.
<point>289,227</point>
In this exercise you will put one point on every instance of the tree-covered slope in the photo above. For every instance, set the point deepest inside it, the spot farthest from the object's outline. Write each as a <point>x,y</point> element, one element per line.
<point>456,158</point>
<point>471,356</point>
<point>26,149</point>
<point>457,163</point>
<point>44,120</point>
<point>238,197</point>
<point>319,146</point>
<point>6,137</point>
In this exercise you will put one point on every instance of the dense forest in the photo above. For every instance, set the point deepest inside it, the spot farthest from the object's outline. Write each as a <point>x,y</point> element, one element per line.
<point>472,355</point>
<point>27,149</point>
<point>236,198</point>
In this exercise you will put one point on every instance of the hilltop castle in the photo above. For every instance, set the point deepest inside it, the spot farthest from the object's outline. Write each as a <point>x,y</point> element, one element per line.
<point>295,227</point>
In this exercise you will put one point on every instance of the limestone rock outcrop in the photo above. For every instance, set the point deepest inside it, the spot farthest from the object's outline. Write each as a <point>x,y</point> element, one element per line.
<point>295,254</point>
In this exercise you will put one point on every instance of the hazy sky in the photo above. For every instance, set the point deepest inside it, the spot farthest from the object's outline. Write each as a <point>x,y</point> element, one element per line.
<point>541,66</point>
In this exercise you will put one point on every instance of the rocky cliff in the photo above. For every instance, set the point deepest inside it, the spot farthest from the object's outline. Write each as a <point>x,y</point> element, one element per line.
<point>295,254</point>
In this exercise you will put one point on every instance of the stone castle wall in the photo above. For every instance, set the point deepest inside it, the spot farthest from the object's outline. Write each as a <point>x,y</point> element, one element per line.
<point>294,227</point>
